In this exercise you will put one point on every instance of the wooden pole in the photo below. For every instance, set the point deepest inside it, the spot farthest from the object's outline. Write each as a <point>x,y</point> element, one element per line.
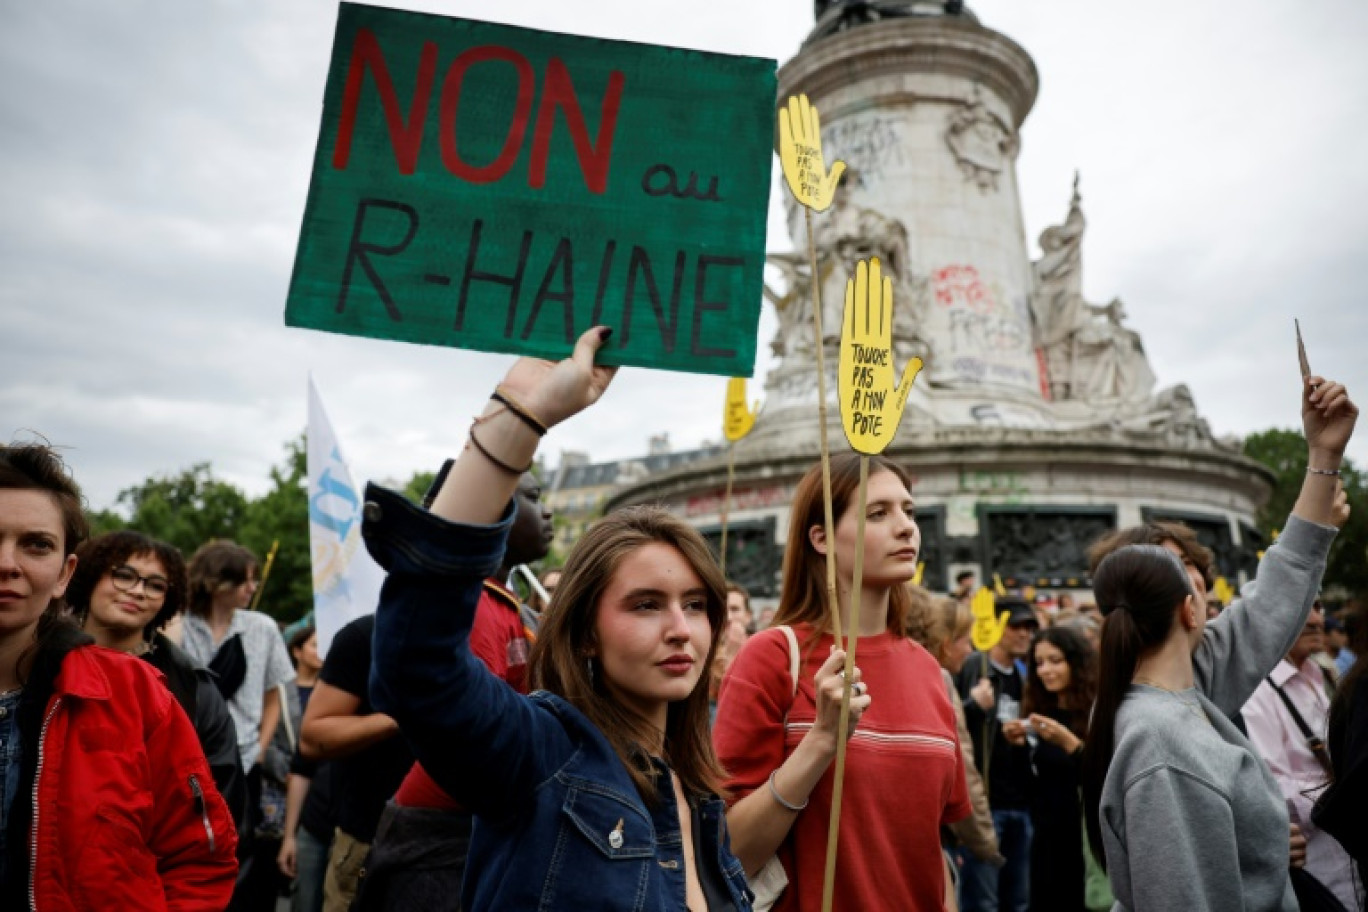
<point>726,502</point>
<point>265,574</point>
<point>833,606</point>
<point>843,729</point>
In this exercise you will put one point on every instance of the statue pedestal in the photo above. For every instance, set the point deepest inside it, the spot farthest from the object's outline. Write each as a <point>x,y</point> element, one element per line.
<point>1032,429</point>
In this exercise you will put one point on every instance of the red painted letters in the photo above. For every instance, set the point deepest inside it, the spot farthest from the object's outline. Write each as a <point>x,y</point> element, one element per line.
<point>406,130</point>
<point>405,138</point>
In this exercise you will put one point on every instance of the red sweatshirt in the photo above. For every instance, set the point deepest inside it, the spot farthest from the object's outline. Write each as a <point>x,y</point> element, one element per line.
<point>904,772</point>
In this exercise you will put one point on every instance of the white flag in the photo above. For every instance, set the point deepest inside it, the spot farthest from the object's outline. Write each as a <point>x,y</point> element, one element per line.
<point>346,580</point>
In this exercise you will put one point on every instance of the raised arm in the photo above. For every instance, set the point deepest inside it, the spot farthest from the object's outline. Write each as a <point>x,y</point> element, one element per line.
<point>478,739</point>
<point>1246,641</point>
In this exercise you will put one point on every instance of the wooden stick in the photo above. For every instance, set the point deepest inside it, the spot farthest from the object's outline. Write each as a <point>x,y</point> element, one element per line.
<point>833,605</point>
<point>726,502</point>
<point>265,575</point>
<point>843,728</point>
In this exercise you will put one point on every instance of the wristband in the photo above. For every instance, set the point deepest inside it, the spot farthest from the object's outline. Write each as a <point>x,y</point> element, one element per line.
<point>511,470</point>
<point>780,798</point>
<point>523,413</point>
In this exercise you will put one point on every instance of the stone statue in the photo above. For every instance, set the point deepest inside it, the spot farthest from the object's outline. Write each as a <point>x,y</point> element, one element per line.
<point>793,305</point>
<point>843,235</point>
<point>1089,354</point>
<point>981,145</point>
<point>1107,360</point>
<point>847,233</point>
<point>1058,301</point>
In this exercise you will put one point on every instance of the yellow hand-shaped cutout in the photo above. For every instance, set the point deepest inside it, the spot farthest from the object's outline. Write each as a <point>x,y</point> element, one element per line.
<point>987,629</point>
<point>870,406</point>
<point>800,154</point>
<point>738,419</point>
<point>1223,591</point>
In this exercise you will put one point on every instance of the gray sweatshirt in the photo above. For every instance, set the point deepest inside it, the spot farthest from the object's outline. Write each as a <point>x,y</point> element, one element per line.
<point>1191,818</point>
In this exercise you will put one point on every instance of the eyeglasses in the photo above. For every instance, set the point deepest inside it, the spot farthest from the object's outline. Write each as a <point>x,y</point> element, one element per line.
<point>125,579</point>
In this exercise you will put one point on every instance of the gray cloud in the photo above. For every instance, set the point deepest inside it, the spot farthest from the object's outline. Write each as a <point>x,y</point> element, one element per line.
<point>154,159</point>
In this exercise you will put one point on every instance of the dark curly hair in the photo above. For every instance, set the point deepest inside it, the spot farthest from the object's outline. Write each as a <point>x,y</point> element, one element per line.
<point>1082,659</point>
<point>105,552</point>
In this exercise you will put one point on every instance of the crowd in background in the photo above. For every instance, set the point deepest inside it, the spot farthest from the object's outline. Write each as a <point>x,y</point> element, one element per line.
<point>980,778</point>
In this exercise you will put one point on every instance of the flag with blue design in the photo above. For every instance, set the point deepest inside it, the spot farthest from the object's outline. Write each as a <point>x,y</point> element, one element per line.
<point>346,580</point>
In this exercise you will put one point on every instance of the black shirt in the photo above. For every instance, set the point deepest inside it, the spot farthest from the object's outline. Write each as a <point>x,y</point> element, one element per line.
<point>365,780</point>
<point>1007,772</point>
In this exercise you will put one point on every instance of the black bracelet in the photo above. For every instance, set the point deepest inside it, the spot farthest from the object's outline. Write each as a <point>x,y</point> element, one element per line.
<point>511,470</point>
<point>523,413</point>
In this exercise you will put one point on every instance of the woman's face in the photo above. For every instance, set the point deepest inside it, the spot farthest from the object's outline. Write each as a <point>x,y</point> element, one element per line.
<point>1051,667</point>
<point>241,595</point>
<point>892,539</point>
<point>956,652</point>
<point>307,654</point>
<point>33,568</point>
<point>652,631</point>
<point>123,604</point>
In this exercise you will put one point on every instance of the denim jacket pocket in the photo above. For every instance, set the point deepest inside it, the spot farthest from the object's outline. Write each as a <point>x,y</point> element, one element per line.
<point>604,856</point>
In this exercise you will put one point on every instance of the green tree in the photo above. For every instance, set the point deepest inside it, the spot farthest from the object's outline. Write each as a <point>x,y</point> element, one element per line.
<point>186,509</point>
<point>282,515</point>
<point>418,485</point>
<point>1284,452</point>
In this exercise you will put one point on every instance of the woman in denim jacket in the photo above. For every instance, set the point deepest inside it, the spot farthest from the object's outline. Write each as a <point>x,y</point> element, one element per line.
<point>599,791</point>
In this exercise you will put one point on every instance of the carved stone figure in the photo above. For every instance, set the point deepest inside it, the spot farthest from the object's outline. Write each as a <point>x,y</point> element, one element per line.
<point>1089,354</point>
<point>981,144</point>
<point>848,233</point>
<point>793,305</point>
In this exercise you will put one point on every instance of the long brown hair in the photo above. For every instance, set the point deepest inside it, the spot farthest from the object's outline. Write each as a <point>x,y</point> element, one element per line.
<point>216,565</point>
<point>802,598</point>
<point>1139,589</point>
<point>1082,689</point>
<point>560,661</point>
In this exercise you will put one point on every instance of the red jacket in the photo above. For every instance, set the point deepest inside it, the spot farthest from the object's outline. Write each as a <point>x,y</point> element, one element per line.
<point>128,816</point>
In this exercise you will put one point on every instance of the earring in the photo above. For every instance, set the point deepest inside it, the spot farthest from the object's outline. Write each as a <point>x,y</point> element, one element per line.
<point>589,664</point>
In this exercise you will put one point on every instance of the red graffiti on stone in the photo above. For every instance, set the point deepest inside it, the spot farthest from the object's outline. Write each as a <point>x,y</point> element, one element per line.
<point>961,284</point>
<point>748,499</point>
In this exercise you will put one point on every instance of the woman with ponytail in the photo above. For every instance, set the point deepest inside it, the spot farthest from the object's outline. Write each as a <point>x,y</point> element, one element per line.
<point>1189,817</point>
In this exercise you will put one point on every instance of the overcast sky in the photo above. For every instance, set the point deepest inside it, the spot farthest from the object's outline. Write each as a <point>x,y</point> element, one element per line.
<point>154,160</point>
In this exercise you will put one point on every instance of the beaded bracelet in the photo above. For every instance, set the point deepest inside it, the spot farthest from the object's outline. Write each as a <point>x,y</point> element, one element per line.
<point>1315,471</point>
<point>511,470</point>
<point>522,411</point>
<point>780,798</point>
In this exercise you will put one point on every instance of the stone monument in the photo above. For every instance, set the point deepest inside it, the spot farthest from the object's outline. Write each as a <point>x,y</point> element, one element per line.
<point>1035,425</point>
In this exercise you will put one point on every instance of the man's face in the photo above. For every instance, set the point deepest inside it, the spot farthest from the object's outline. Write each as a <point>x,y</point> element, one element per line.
<point>1312,639</point>
<point>1016,639</point>
<point>737,609</point>
<point>531,535</point>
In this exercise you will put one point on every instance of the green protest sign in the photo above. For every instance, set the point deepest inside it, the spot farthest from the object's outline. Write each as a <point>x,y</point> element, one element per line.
<point>503,189</point>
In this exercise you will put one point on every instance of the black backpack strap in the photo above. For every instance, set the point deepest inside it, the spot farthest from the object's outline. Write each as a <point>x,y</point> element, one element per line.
<point>1313,742</point>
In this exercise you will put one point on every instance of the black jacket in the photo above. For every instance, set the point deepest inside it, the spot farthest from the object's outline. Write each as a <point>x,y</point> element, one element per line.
<point>193,687</point>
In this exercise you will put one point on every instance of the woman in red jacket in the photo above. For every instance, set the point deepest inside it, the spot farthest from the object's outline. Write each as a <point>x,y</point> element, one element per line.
<point>107,801</point>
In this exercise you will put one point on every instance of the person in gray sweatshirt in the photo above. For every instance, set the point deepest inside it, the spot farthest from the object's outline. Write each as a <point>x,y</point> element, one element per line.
<point>1188,815</point>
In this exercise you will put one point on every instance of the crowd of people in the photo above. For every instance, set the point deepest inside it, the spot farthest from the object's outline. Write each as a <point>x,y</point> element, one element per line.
<point>635,734</point>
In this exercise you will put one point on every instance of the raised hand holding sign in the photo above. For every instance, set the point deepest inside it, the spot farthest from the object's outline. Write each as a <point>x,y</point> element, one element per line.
<point>800,154</point>
<point>871,407</point>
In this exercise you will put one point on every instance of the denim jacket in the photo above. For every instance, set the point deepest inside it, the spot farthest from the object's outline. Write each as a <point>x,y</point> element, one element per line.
<point>560,825</point>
